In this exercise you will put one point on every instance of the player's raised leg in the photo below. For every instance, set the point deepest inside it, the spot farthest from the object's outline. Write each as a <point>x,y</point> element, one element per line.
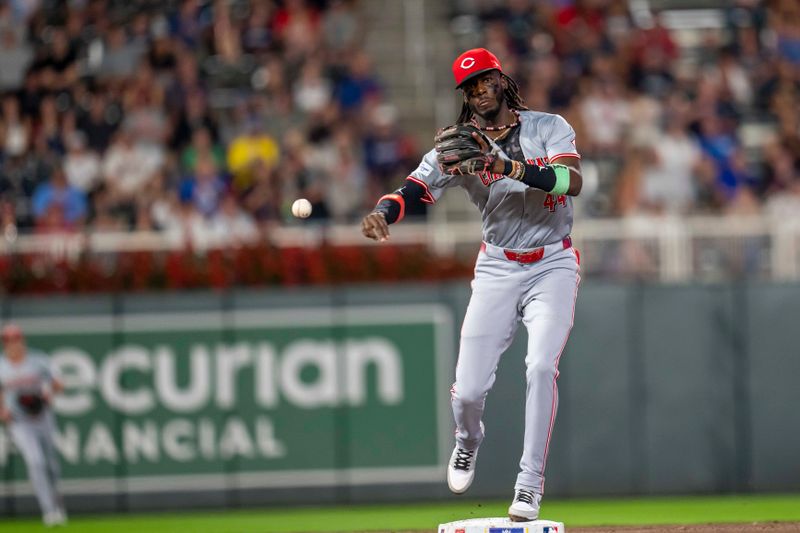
<point>489,325</point>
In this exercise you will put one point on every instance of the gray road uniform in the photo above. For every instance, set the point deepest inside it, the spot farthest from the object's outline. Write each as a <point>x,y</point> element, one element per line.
<point>526,271</point>
<point>33,434</point>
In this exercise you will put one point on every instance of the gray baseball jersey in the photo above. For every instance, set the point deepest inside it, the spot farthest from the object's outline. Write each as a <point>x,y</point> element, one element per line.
<point>32,376</point>
<point>527,272</point>
<point>514,215</point>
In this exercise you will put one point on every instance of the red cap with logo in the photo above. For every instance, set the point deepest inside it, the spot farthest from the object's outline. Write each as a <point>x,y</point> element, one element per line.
<point>474,62</point>
<point>11,332</point>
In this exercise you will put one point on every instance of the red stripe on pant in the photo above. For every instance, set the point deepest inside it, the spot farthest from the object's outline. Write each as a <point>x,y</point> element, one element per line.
<point>555,387</point>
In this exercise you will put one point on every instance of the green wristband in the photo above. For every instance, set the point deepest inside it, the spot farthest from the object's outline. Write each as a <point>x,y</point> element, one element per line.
<point>562,179</point>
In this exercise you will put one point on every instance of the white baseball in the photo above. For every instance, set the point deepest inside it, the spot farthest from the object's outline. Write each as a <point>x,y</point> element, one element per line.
<point>301,208</point>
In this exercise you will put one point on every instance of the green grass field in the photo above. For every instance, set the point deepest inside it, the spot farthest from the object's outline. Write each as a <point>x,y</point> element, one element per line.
<point>639,511</point>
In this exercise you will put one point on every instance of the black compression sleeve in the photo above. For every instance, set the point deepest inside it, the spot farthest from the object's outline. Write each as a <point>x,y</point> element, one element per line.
<point>390,207</point>
<point>393,206</point>
<point>543,178</point>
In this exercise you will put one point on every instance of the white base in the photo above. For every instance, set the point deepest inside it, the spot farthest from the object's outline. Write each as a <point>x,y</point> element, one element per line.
<point>501,525</point>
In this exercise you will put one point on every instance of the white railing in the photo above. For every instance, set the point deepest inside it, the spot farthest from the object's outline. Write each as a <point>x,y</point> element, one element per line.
<point>669,249</point>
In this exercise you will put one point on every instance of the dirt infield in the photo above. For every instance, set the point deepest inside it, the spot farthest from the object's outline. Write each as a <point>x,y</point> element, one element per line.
<point>772,527</point>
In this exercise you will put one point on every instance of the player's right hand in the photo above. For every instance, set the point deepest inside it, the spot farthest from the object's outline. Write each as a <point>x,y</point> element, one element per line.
<point>374,227</point>
<point>5,415</point>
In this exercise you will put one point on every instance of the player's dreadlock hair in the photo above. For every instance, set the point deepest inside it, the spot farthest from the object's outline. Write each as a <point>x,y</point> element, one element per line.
<point>513,100</point>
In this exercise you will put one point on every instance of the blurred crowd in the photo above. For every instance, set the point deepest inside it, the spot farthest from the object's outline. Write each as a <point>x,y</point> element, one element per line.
<point>698,116</point>
<point>205,119</point>
<point>201,119</point>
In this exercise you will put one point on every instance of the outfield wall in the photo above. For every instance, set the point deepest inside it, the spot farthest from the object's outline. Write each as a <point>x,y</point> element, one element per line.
<point>322,395</point>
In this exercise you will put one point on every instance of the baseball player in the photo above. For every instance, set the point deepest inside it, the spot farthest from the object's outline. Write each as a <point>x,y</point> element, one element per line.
<point>27,384</point>
<point>520,168</point>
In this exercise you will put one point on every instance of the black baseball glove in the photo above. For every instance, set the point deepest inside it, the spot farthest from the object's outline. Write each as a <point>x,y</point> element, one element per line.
<point>32,404</point>
<point>463,149</point>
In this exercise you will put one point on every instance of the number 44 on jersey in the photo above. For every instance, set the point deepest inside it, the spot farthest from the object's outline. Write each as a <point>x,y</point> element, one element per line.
<point>550,201</point>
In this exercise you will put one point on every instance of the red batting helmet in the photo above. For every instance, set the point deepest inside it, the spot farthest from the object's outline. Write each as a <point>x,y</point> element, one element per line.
<point>474,62</point>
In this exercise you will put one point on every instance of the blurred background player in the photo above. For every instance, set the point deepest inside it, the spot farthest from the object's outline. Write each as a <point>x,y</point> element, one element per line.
<point>527,270</point>
<point>28,384</point>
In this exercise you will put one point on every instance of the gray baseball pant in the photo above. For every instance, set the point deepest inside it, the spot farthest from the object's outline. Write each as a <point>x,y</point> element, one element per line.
<point>542,296</point>
<point>34,440</point>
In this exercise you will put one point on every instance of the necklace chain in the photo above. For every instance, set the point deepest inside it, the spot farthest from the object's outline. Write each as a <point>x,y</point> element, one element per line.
<point>499,128</point>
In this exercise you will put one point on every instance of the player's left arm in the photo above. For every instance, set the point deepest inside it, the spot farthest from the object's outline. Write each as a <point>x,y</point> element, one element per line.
<point>563,158</point>
<point>573,165</point>
<point>560,177</point>
<point>54,385</point>
<point>5,413</point>
<point>562,173</point>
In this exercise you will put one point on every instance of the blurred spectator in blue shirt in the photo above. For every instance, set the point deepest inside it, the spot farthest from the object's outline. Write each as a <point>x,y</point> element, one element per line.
<point>358,85</point>
<point>189,22</point>
<point>57,195</point>
<point>205,189</point>
<point>787,30</point>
